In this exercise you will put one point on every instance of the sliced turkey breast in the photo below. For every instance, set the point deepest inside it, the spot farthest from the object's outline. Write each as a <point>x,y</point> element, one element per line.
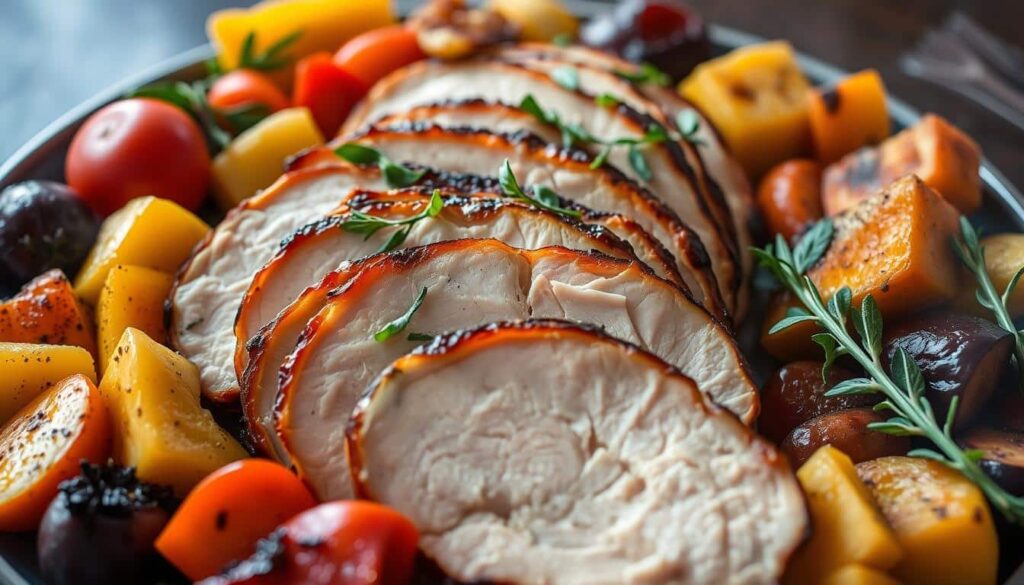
<point>604,465</point>
<point>726,173</point>
<point>317,249</point>
<point>535,162</point>
<point>209,287</point>
<point>466,283</point>
<point>671,176</point>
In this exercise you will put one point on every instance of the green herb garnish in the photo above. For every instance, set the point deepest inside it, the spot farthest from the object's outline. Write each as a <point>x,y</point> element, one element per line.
<point>572,134</point>
<point>563,39</point>
<point>270,59</point>
<point>191,97</point>
<point>542,197</point>
<point>567,76</point>
<point>647,73</point>
<point>419,337</point>
<point>395,175</point>
<point>972,253</point>
<point>396,326</point>
<point>606,100</point>
<point>688,122</point>
<point>902,388</point>
<point>367,225</point>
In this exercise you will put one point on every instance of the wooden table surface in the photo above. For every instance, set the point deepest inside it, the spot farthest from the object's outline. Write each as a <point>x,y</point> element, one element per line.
<point>55,53</point>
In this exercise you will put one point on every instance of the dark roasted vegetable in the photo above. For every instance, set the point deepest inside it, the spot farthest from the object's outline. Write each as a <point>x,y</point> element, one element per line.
<point>43,225</point>
<point>1003,456</point>
<point>796,393</point>
<point>959,355</point>
<point>101,526</point>
<point>846,430</point>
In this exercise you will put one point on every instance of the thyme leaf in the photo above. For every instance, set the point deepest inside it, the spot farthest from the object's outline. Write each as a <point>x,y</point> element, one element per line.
<point>542,197</point>
<point>395,327</point>
<point>647,73</point>
<point>396,175</point>
<point>567,76</point>
<point>367,225</point>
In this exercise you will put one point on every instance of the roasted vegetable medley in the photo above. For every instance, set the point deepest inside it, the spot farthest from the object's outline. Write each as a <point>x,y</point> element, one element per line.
<point>457,298</point>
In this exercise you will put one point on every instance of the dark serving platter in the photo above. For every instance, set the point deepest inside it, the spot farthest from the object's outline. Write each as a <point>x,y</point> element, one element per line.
<point>42,157</point>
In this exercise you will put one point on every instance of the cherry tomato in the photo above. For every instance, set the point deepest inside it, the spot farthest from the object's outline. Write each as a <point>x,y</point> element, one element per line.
<point>228,512</point>
<point>138,147</point>
<point>338,543</point>
<point>327,90</point>
<point>244,87</point>
<point>373,54</point>
<point>790,197</point>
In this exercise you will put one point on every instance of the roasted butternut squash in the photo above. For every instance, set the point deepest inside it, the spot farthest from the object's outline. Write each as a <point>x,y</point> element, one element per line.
<point>846,527</point>
<point>894,246</point>
<point>945,158</point>
<point>159,427</point>
<point>848,115</point>
<point>132,296</point>
<point>30,369</point>
<point>44,444</point>
<point>128,237</point>
<point>757,98</point>
<point>47,311</point>
<point>256,158</point>
<point>859,575</point>
<point>941,521</point>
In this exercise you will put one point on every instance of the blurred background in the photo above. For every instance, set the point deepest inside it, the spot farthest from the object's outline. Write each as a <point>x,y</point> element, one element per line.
<point>56,53</point>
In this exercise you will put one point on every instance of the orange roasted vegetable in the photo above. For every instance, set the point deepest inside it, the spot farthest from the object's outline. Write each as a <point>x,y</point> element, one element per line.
<point>43,445</point>
<point>228,512</point>
<point>849,115</point>
<point>894,246</point>
<point>945,158</point>
<point>47,311</point>
<point>789,197</point>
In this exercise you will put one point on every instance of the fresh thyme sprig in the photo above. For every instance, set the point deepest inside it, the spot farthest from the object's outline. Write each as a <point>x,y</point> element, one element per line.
<point>270,59</point>
<point>902,388</point>
<point>399,324</point>
<point>647,73</point>
<point>542,197</point>
<point>367,225</point>
<point>972,253</point>
<point>395,175</point>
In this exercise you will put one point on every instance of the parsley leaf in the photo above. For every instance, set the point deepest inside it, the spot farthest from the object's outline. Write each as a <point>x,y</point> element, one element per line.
<point>543,197</point>
<point>395,175</point>
<point>396,326</point>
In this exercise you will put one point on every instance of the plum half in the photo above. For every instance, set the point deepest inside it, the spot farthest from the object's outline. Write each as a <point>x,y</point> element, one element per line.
<point>959,355</point>
<point>846,430</point>
<point>796,393</point>
<point>1003,456</point>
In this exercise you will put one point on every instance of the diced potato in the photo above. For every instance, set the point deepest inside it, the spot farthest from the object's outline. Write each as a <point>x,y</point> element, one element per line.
<point>940,519</point>
<point>46,311</point>
<point>894,246</point>
<point>1004,256</point>
<point>256,158</point>
<point>846,527</point>
<point>151,232</point>
<point>324,26</point>
<point>945,158</point>
<point>538,20</point>
<point>859,575</point>
<point>848,116</point>
<point>132,296</point>
<point>159,426</point>
<point>757,98</point>
<point>29,369</point>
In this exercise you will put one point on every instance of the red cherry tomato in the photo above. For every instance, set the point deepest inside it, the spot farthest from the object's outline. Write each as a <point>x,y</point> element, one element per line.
<point>373,54</point>
<point>243,87</point>
<point>338,543</point>
<point>228,512</point>
<point>138,147</point>
<point>327,90</point>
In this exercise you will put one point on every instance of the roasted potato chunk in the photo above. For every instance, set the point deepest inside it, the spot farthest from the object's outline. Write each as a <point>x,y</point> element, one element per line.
<point>132,296</point>
<point>29,369</point>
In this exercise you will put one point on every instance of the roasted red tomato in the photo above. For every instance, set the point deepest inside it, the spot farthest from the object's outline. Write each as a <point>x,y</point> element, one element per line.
<point>338,543</point>
<point>327,90</point>
<point>243,87</point>
<point>138,147</point>
<point>373,54</point>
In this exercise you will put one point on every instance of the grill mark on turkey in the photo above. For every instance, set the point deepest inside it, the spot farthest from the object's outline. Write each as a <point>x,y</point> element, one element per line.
<point>696,254</point>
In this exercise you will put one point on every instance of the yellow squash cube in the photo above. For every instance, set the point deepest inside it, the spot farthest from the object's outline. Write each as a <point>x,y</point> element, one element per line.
<point>846,528</point>
<point>940,519</point>
<point>151,232</point>
<point>539,20</point>
<point>27,369</point>
<point>859,575</point>
<point>159,427</point>
<point>132,296</point>
<point>324,25</point>
<point>757,98</point>
<point>256,158</point>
